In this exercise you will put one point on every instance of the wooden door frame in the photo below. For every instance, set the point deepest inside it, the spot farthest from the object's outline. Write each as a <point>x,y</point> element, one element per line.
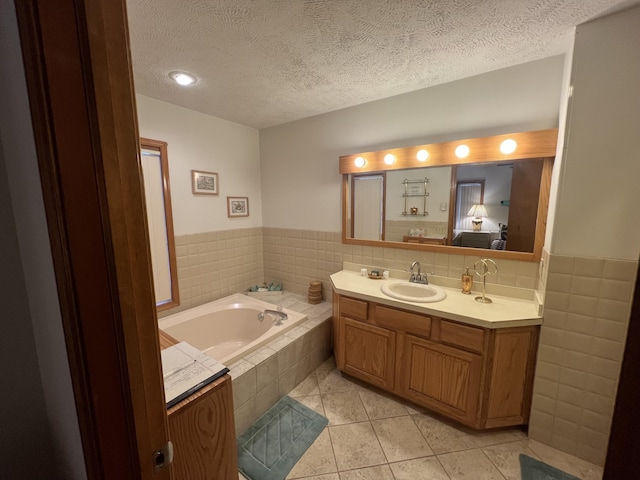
<point>79,80</point>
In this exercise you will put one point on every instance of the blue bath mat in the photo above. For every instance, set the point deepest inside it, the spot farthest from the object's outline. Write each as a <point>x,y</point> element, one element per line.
<point>270,448</point>
<point>532,469</point>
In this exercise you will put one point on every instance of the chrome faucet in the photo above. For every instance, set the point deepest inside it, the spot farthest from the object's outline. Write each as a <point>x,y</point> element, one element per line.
<point>280,316</point>
<point>417,277</point>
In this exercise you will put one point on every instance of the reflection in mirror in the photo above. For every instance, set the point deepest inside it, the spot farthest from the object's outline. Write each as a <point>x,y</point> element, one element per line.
<point>489,200</point>
<point>367,204</point>
<point>417,205</point>
<point>155,173</point>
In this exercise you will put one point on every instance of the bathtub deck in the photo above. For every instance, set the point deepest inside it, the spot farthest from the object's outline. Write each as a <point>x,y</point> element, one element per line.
<point>264,376</point>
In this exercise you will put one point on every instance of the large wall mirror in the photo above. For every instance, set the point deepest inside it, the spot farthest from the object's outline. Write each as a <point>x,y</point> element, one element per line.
<point>456,197</point>
<point>155,173</point>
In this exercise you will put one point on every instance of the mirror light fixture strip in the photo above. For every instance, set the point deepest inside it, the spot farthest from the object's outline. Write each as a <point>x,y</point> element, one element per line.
<point>535,144</point>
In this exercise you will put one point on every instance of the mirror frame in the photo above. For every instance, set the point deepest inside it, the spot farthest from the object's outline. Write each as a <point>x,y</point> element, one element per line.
<point>534,144</point>
<point>171,244</point>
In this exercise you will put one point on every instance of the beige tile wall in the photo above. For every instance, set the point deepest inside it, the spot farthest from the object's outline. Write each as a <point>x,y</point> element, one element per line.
<point>296,257</point>
<point>587,305</point>
<point>586,315</point>
<point>213,265</point>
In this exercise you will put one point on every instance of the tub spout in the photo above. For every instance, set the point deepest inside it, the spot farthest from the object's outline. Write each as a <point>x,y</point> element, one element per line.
<point>280,316</point>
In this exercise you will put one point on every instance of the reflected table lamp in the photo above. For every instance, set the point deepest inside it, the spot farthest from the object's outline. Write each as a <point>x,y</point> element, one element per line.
<point>477,212</point>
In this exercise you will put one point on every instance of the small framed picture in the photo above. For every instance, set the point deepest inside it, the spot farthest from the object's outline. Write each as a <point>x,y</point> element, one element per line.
<point>237,207</point>
<point>204,183</point>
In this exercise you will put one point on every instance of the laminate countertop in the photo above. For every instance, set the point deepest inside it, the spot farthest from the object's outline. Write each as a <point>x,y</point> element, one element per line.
<point>501,313</point>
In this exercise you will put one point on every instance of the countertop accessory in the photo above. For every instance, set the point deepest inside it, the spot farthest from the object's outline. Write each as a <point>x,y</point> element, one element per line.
<point>375,275</point>
<point>484,267</point>
<point>315,292</point>
<point>467,282</point>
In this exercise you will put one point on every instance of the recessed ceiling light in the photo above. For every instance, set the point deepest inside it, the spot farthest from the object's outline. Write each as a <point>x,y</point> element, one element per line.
<point>183,78</point>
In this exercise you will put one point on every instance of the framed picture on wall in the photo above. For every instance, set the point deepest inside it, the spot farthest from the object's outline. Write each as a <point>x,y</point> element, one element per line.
<point>237,207</point>
<point>204,183</point>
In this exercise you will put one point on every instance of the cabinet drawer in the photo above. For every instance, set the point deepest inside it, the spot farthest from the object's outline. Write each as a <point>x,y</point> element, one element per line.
<point>400,320</point>
<point>350,307</point>
<point>463,336</point>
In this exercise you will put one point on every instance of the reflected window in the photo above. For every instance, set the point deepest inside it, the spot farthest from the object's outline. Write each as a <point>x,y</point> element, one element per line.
<point>468,193</point>
<point>155,173</point>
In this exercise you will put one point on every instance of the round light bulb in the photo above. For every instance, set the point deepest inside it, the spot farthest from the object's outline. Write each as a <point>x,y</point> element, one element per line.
<point>360,162</point>
<point>422,155</point>
<point>389,159</point>
<point>508,146</point>
<point>182,78</point>
<point>462,151</point>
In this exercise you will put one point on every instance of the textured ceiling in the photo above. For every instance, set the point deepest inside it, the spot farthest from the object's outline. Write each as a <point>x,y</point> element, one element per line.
<point>262,63</point>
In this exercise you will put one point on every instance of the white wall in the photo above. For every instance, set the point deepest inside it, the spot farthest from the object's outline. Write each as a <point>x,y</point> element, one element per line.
<point>596,213</point>
<point>39,433</point>
<point>197,141</point>
<point>300,159</point>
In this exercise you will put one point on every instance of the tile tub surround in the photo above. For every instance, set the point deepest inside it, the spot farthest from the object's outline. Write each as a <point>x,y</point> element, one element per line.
<point>264,376</point>
<point>582,340</point>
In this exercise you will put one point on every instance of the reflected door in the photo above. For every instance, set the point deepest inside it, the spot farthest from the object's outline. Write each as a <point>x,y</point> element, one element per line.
<point>368,207</point>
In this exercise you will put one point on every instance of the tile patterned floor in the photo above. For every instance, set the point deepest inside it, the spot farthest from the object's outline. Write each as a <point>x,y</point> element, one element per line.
<point>373,436</point>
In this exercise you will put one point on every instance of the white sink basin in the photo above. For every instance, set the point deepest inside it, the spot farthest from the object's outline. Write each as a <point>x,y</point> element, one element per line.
<point>413,292</point>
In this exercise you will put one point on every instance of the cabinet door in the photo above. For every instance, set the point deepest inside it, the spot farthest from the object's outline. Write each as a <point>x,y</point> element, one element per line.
<point>439,377</point>
<point>204,437</point>
<point>368,352</point>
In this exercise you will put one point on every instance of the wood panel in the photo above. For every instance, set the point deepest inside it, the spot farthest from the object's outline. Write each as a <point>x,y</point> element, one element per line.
<point>202,428</point>
<point>79,79</point>
<point>523,209</point>
<point>203,434</point>
<point>463,336</point>
<point>440,377</point>
<point>543,207</point>
<point>369,352</point>
<point>335,323</point>
<point>509,374</point>
<point>401,320</point>
<point>536,144</point>
<point>350,307</point>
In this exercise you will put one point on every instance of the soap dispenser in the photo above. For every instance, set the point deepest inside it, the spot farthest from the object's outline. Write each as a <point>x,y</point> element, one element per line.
<point>467,282</point>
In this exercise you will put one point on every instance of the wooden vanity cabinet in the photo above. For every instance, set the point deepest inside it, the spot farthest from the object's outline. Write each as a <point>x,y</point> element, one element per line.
<point>202,429</point>
<point>480,377</point>
<point>366,351</point>
<point>442,378</point>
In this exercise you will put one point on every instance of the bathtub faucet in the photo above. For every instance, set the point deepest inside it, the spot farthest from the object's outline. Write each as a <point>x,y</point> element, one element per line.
<point>280,316</point>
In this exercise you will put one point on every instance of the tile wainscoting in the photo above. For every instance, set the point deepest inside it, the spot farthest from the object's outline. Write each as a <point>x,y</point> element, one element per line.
<point>586,316</point>
<point>587,305</point>
<point>213,265</point>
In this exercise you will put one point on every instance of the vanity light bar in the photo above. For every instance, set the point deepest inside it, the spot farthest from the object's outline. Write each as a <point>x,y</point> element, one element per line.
<point>511,146</point>
<point>462,151</point>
